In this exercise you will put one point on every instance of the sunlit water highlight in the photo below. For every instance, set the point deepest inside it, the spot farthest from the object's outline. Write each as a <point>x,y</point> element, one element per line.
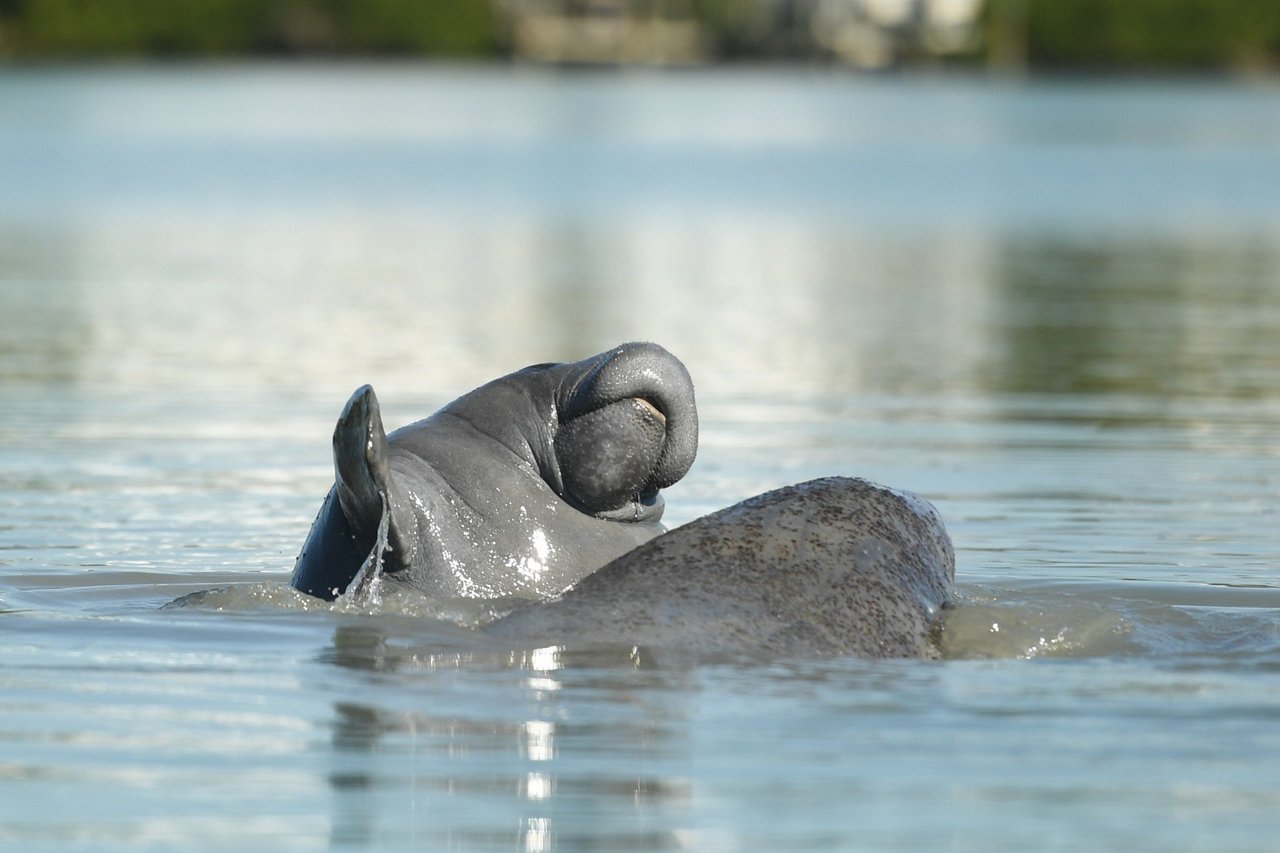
<point>1051,309</point>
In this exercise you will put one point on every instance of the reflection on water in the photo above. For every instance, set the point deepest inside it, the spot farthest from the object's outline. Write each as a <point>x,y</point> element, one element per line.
<point>1187,314</point>
<point>264,227</point>
<point>43,326</point>
<point>582,711</point>
<point>1052,309</point>
<point>299,304</point>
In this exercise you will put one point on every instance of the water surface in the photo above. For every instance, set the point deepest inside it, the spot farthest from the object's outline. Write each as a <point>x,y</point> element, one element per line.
<point>1053,309</point>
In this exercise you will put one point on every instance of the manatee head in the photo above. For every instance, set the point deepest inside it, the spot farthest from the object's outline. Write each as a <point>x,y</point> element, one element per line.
<point>520,487</point>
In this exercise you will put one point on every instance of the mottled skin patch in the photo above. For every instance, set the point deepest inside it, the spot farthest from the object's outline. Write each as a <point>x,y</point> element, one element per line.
<point>835,566</point>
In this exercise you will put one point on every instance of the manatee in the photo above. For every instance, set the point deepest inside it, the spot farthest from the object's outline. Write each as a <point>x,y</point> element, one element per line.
<point>543,487</point>
<point>518,489</point>
<point>836,566</point>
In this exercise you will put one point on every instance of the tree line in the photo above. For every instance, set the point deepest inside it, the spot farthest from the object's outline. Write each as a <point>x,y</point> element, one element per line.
<point>1205,35</point>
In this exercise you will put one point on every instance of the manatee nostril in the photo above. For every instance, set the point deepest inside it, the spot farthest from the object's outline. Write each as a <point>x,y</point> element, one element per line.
<point>652,410</point>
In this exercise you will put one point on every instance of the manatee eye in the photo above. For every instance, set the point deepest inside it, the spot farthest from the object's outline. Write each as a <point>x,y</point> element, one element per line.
<point>608,456</point>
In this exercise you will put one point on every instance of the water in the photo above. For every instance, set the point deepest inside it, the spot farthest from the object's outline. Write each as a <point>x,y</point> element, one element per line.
<point>1051,308</point>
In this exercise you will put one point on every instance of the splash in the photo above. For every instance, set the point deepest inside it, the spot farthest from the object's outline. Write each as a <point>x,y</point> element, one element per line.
<point>1021,623</point>
<point>365,590</point>
<point>1097,618</point>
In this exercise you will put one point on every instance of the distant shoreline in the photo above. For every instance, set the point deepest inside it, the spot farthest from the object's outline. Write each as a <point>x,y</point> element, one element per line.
<point>1261,77</point>
<point>1240,39</point>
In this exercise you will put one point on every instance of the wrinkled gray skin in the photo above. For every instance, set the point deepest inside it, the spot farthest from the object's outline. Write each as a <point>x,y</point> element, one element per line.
<point>835,566</point>
<point>520,488</point>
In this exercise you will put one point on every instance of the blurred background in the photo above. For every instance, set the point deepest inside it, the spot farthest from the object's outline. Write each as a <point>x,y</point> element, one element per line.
<point>822,206</point>
<point>813,202</point>
<point>1173,35</point>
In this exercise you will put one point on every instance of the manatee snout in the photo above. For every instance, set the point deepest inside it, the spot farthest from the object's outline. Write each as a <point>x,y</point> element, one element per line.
<point>627,427</point>
<point>608,456</point>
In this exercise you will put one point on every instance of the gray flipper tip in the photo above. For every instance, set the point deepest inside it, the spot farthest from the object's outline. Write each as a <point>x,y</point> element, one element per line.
<point>360,458</point>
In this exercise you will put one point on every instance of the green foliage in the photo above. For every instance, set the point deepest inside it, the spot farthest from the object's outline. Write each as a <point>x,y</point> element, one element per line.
<point>1198,34</point>
<point>738,27</point>
<point>1078,34</point>
<point>88,28</point>
<point>133,27</point>
<point>437,27</point>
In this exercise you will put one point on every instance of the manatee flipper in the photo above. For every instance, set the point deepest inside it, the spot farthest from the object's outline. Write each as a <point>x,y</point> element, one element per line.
<point>361,471</point>
<point>836,566</point>
<point>346,529</point>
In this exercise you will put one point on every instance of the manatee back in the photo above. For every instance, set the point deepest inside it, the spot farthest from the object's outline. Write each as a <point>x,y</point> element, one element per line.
<point>831,566</point>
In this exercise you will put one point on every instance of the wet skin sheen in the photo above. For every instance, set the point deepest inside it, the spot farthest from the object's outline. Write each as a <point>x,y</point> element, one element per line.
<point>519,488</point>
